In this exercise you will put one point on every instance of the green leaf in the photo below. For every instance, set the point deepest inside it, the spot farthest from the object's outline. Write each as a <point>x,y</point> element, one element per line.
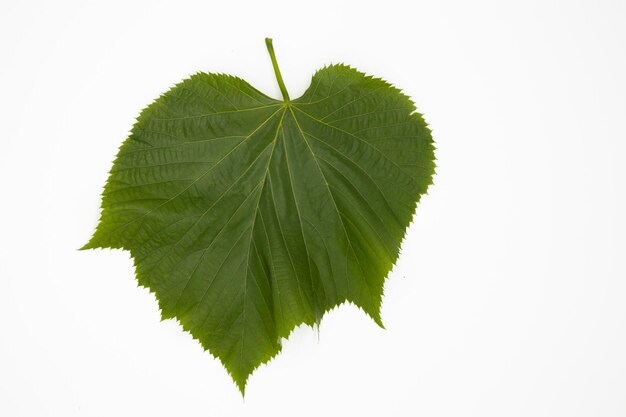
<point>248,216</point>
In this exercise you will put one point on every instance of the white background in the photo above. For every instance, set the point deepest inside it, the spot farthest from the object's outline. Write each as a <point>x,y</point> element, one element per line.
<point>509,298</point>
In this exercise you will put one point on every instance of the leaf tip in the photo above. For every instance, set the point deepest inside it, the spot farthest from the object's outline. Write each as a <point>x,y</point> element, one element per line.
<point>242,388</point>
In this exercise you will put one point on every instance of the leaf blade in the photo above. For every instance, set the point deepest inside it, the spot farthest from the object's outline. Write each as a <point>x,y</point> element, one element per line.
<point>247,216</point>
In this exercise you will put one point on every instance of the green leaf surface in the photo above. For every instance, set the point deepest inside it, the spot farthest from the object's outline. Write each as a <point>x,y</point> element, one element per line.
<point>248,216</point>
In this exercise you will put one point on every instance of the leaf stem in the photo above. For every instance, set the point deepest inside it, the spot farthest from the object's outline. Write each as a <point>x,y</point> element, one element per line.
<point>279,77</point>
